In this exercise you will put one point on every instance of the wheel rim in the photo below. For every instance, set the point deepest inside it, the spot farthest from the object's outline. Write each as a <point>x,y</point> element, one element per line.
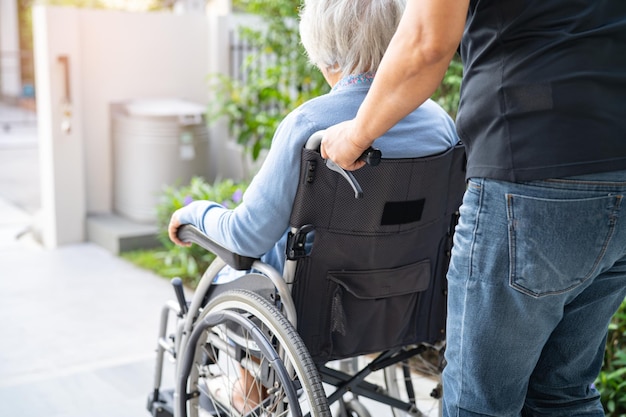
<point>213,360</point>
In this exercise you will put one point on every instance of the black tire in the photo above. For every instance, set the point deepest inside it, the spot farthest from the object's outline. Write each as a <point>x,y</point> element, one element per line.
<point>224,348</point>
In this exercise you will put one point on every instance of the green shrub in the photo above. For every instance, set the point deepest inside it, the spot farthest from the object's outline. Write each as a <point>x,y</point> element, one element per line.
<point>448,93</point>
<point>160,261</point>
<point>277,77</point>
<point>612,379</point>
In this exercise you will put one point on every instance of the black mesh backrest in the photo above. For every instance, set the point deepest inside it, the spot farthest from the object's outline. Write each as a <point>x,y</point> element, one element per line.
<point>375,277</point>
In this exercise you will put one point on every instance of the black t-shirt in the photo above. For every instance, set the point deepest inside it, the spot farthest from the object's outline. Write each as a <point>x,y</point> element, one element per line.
<point>544,88</point>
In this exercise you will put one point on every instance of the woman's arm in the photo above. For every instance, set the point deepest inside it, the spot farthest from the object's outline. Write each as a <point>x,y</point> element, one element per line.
<point>413,66</point>
<point>254,227</point>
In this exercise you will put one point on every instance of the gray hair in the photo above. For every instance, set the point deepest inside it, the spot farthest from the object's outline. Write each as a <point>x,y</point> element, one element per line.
<point>348,36</point>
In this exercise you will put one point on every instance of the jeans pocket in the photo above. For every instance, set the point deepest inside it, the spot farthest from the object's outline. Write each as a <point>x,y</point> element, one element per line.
<point>557,244</point>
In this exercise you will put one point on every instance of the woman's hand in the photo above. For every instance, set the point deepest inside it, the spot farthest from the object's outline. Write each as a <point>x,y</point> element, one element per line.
<point>172,229</point>
<point>340,145</point>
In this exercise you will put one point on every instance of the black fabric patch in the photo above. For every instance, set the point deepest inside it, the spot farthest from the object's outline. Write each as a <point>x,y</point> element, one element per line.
<point>402,212</point>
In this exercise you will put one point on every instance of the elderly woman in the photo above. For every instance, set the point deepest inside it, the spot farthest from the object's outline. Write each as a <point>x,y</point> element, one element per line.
<point>346,40</point>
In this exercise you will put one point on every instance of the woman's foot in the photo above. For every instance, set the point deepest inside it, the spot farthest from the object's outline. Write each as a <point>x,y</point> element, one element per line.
<point>246,394</point>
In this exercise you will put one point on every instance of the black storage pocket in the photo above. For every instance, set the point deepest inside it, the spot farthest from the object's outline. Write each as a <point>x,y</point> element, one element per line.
<point>375,310</point>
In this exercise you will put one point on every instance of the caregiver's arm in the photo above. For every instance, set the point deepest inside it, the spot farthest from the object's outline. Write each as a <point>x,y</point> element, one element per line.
<point>413,66</point>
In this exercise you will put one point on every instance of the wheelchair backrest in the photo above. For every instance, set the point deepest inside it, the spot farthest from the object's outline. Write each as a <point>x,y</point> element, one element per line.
<point>375,276</point>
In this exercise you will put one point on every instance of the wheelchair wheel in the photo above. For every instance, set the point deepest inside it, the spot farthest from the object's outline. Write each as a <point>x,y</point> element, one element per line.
<point>235,376</point>
<point>418,380</point>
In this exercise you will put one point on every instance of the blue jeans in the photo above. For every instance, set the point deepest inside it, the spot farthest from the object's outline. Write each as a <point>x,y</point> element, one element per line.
<point>537,271</point>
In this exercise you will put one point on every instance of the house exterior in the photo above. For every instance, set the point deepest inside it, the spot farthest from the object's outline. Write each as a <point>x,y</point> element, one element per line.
<point>88,61</point>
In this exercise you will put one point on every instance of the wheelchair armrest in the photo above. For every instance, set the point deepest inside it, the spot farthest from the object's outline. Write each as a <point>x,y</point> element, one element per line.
<point>189,233</point>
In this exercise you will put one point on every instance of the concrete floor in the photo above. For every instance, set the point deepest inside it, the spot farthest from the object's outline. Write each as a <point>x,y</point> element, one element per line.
<point>78,325</point>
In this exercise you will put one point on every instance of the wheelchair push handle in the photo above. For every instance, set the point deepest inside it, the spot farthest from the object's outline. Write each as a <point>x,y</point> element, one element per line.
<point>371,157</point>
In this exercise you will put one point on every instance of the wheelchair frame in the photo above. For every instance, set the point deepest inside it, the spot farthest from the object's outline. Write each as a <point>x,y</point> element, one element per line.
<point>265,312</point>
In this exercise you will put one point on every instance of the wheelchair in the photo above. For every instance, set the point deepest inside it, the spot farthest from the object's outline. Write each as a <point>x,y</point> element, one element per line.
<point>357,314</point>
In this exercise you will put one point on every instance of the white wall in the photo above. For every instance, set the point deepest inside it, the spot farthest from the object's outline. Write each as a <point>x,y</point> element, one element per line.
<point>61,154</point>
<point>114,56</point>
<point>128,56</point>
<point>10,78</point>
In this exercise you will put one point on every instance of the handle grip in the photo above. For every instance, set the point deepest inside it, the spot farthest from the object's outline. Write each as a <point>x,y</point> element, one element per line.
<point>177,283</point>
<point>371,156</point>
